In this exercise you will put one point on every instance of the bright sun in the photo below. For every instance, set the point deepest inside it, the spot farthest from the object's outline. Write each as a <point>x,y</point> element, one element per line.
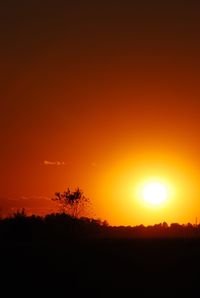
<point>155,193</point>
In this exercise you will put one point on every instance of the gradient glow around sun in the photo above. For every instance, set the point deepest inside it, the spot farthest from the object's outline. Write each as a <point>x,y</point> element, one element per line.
<point>155,193</point>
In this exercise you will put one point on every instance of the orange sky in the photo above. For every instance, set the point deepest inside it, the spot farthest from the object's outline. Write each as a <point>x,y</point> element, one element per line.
<point>111,91</point>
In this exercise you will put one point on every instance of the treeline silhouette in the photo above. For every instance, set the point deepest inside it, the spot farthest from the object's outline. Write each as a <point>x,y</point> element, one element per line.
<point>89,258</point>
<point>55,226</point>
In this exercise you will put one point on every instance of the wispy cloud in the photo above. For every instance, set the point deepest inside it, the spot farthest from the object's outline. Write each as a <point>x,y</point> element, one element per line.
<point>35,204</point>
<point>54,163</point>
<point>33,198</point>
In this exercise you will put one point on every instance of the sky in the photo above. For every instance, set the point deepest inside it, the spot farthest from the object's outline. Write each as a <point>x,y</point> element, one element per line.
<point>103,95</point>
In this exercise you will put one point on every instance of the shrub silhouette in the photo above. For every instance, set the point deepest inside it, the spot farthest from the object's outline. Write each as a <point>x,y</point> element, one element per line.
<point>20,213</point>
<point>73,203</point>
<point>62,226</point>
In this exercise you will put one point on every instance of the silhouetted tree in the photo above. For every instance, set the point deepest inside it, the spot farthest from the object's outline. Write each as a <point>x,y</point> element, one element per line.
<point>165,225</point>
<point>73,203</point>
<point>20,213</point>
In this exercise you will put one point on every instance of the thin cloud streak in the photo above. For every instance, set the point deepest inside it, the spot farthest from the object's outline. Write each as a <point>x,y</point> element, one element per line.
<point>35,204</point>
<point>54,163</point>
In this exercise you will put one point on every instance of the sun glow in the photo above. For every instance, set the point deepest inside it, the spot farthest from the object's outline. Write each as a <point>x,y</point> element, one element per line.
<point>155,193</point>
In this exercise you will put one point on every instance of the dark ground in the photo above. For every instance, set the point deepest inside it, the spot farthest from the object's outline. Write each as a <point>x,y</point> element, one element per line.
<point>102,268</point>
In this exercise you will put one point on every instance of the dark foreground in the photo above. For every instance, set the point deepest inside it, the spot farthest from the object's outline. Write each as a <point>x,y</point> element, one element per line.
<point>103,268</point>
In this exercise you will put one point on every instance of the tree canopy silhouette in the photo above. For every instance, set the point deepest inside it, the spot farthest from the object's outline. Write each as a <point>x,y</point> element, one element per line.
<point>73,203</point>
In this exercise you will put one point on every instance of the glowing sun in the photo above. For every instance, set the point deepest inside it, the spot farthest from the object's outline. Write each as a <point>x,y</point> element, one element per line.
<point>155,193</point>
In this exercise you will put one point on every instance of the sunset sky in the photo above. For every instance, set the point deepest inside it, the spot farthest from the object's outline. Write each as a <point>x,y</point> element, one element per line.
<point>103,95</point>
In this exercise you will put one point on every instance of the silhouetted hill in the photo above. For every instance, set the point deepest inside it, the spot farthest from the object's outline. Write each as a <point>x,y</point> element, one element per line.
<point>86,257</point>
<point>22,228</point>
